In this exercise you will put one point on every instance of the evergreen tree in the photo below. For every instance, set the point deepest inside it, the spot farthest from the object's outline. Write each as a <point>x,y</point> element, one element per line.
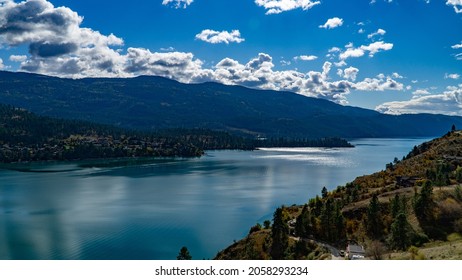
<point>303,227</point>
<point>400,232</point>
<point>424,204</point>
<point>398,204</point>
<point>184,254</point>
<point>395,206</point>
<point>324,192</point>
<point>327,221</point>
<point>374,218</point>
<point>280,235</point>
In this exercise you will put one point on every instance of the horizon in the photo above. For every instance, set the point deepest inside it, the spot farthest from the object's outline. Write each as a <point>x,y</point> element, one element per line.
<point>362,55</point>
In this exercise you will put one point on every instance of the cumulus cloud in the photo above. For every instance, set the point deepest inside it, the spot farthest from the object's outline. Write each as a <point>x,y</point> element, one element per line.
<point>216,37</point>
<point>174,65</point>
<point>396,75</point>
<point>259,72</point>
<point>454,76</point>
<point>332,23</point>
<point>279,6</point>
<point>457,46</point>
<point>379,84</point>
<point>306,57</point>
<point>372,48</point>
<point>349,73</point>
<point>18,58</point>
<point>57,43</point>
<point>449,103</point>
<point>377,47</point>
<point>351,52</point>
<point>2,66</point>
<point>379,32</point>
<point>421,92</point>
<point>177,3</point>
<point>457,4</point>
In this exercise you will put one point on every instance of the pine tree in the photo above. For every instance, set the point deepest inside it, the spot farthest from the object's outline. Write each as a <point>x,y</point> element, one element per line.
<point>324,192</point>
<point>400,232</point>
<point>303,227</point>
<point>280,235</point>
<point>374,218</point>
<point>327,220</point>
<point>184,254</point>
<point>424,204</point>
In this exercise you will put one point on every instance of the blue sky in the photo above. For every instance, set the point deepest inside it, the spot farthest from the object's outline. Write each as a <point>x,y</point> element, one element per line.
<point>395,56</point>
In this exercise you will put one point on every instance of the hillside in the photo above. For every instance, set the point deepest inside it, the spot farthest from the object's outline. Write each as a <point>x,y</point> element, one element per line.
<point>25,136</point>
<point>156,103</point>
<point>411,209</point>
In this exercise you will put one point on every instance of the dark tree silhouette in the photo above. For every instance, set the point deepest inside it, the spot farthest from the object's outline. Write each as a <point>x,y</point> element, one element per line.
<point>374,218</point>
<point>280,235</point>
<point>184,254</point>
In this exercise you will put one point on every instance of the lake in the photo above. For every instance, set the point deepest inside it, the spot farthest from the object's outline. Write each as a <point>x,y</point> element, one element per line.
<point>150,211</point>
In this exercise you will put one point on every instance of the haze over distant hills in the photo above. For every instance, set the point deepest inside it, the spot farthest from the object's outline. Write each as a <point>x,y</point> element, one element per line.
<point>149,102</point>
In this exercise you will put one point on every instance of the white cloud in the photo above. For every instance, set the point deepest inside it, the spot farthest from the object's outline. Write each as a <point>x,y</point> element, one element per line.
<point>169,49</point>
<point>332,23</point>
<point>216,37</point>
<point>57,44</point>
<point>18,58</point>
<point>285,62</point>
<point>279,6</point>
<point>421,92</point>
<point>372,48</point>
<point>334,49</point>
<point>374,84</point>
<point>306,57</point>
<point>1,64</point>
<point>452,76</point>
<point>448,103</point>
<point>457,4</point>
<point>396,75</point>
<point>177,3</point>
<point>349,73</point>
<point>361,31</point>
<point>379,32</point>
<point>352,52</point>
<point>340,63</point>
<point>375,1</point>
<point>457,46</point>
<point>174,65</point>
<point>376,47</point>
<point>458,56</point>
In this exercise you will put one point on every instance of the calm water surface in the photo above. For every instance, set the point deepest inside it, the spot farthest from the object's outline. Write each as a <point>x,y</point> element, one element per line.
<point>151,211</point>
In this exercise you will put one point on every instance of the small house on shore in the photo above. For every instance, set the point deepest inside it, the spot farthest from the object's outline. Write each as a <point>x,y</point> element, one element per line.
<point>355,252</point>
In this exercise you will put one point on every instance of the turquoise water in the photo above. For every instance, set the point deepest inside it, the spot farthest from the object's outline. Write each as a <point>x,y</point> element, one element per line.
<point>150,211</point>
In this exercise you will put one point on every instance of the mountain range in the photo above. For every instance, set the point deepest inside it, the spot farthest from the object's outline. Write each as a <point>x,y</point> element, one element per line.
<point>152,103</point>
